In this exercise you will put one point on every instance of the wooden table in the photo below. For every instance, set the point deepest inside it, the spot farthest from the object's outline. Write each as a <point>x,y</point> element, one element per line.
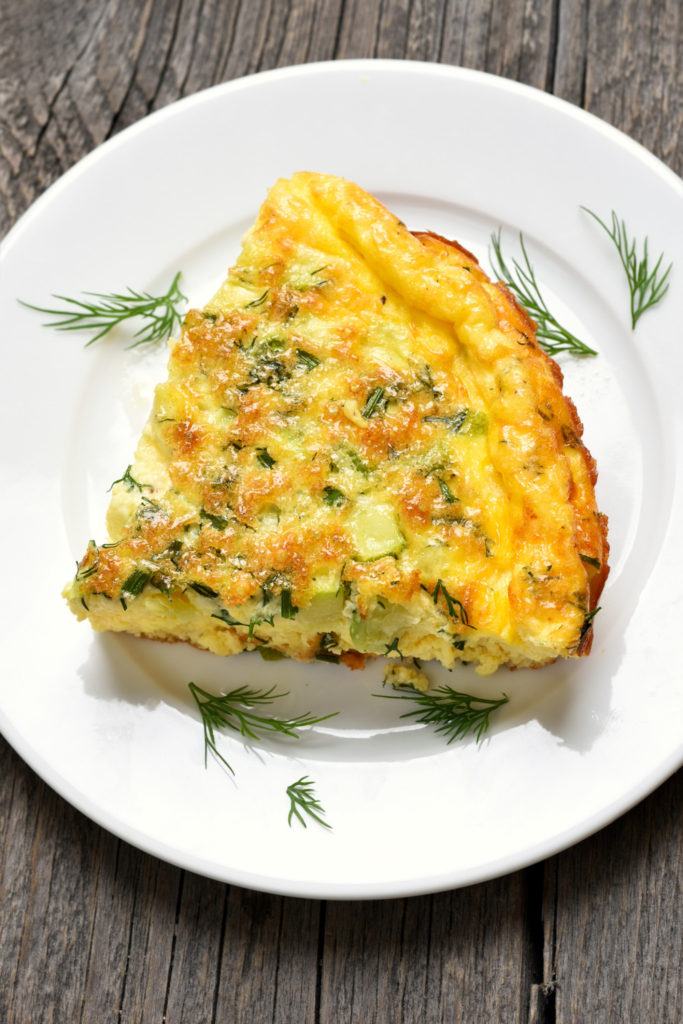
<point>92,930</point>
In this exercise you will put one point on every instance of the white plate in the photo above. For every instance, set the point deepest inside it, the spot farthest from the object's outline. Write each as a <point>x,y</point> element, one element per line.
<point>106,720</point>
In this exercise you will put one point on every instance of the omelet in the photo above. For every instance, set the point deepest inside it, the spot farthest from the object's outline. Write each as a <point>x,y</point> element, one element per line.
<point>360,449</point>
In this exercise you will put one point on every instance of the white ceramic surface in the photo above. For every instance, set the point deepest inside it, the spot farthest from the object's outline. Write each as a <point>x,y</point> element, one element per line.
<point>107,721</point>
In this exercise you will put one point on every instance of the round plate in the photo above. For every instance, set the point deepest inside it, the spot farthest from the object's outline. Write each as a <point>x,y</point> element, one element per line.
<point>108,721</point>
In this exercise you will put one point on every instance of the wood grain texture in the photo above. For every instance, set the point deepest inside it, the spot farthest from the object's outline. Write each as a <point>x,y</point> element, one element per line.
<point>92,930</point>
<point>640,90</point>
<point>387,961</point>
<point>275,940</point>
<point>619,943</point>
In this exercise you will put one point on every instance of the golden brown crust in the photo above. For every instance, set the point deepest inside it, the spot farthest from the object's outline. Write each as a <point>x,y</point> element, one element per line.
<point>512,316</point>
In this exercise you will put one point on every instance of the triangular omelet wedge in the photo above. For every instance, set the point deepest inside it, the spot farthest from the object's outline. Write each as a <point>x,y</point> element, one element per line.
<point>360,449</point>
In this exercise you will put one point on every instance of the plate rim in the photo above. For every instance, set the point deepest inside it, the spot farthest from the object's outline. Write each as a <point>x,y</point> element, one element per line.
<point>346,891</point>
<point>351,64</point>
<point>353,890</point>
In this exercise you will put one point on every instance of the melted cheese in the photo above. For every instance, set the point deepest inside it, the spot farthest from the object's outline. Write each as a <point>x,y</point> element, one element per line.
<point>359,448</point>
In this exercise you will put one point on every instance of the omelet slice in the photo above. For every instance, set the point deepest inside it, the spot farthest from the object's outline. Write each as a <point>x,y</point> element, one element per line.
<point>360,450</point>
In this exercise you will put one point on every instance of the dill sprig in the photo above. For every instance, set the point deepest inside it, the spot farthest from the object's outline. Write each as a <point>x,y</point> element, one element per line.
<point>302,798</point>
<point>647,287</point>
<point>234,710</point>
<point>454,714</point>
<point>520,278</point>
<point>159,313</point>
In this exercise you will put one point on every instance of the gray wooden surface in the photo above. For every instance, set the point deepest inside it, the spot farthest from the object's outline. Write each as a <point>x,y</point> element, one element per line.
<point>91,930</point>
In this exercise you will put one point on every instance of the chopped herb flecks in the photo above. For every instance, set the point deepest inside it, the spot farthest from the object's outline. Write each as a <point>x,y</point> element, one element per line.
<point>136,582</point>
<point>588,622</point>
<point>130,482</point>
<point>324,653</point>
<point>266,460</point>
<point>287,609</point>
<point>307,358</point>
<point>258,302</point>
<point>225,616</point>
<point>393,648</point>
<point>357,462</point>
<point>446,491</point>
<point>201,588</point>
<point>333,497</point>
<point>452,423</point>
<point>373,402</point>
<point>455,608</point>
<point>218,522</point>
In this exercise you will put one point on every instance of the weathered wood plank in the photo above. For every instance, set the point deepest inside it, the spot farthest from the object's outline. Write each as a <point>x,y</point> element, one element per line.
<point>51,859</point>
<point>268,960</point>
<point>619,941</point>
<point>33,76</point>
<point>18,823</point>
<point>86,921</point>
<point>514,39</point>
<point>193,974</point>
<point>637,83</point>
<point>569,72</point>
<point>464,955</point>
<point>150,931</point>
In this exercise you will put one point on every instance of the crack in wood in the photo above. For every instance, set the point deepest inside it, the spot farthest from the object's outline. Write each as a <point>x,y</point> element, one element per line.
<point>221,947</point>
<point>124,980</point>
<point>171,958</point>
<point>320,961</point>
<point>541,915</point>
<point>542,1008</point>
<point>552,45</point>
